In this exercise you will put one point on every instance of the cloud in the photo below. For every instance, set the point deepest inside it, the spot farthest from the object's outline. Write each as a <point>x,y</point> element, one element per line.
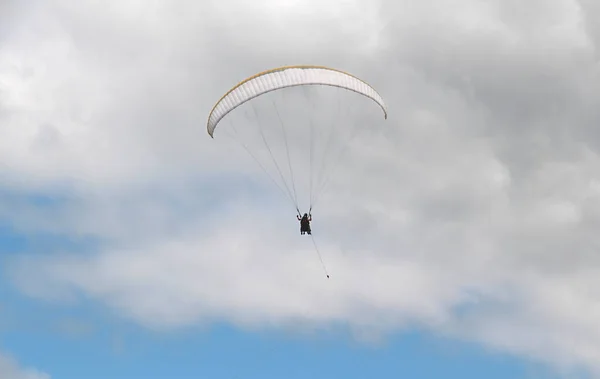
<point>9,369</point>
<point>471,211</point>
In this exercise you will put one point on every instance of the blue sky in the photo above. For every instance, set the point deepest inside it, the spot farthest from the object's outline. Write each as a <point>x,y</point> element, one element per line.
<point>460,232</point>
<point>225,353</point>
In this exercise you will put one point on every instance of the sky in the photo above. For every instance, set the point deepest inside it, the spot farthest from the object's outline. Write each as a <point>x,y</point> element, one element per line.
<point>460,233</point>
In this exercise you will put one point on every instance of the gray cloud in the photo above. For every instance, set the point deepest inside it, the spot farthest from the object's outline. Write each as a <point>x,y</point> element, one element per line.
<point>471,211</point>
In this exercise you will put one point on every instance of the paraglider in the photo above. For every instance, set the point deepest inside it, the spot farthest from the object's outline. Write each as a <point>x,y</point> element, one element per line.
<point>305,223</point>
<point>276,80</point>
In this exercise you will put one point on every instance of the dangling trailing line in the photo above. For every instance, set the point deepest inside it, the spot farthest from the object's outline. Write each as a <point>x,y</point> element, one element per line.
<point>319,254</point>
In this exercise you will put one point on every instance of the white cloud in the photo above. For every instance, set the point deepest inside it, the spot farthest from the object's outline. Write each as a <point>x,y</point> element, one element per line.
<point>472,211</point>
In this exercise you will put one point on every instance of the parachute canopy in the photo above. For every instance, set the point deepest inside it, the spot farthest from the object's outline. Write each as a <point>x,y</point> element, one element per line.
<point>302,119</point>
<point>283,77</point>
